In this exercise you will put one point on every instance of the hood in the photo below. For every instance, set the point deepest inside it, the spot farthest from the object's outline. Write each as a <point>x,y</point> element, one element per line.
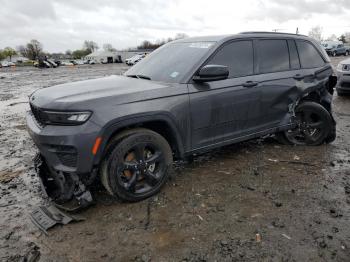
<point>113,90</point>
<point>345,62</point>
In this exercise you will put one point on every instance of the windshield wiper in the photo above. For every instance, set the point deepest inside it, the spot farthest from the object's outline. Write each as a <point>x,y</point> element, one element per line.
<point>139,76</point>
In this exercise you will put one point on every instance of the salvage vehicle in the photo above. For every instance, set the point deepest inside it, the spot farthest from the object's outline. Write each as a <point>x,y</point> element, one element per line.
<point>187,97</point>
<point>343,74</point>
<point>338,49</point>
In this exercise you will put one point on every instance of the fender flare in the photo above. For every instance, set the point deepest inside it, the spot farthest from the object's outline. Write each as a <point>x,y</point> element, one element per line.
<point>120,123</point>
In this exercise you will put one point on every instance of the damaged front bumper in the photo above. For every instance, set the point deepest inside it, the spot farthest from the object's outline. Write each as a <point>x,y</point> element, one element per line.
<point>65,163</point>
<point>66,190</point>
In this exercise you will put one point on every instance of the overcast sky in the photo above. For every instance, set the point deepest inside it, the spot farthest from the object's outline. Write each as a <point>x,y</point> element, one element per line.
<point>64,24</point>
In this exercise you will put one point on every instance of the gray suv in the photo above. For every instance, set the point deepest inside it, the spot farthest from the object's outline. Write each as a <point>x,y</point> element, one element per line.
<point>185,98</point>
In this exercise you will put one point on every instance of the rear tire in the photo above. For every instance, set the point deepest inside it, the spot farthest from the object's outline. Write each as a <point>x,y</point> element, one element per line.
<point>136,165</point>
<point>313,126</point>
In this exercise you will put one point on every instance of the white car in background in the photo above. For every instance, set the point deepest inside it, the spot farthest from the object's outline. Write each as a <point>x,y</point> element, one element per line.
<point>79,62</point>
<point>4,64</point>
<point>66,63</point>
<point>133,60</point>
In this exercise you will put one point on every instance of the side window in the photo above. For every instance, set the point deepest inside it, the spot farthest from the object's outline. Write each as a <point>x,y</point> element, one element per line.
<point>273,56</point>
<point>293,55</point>
<point>309,57</point>
<point>237,56</point>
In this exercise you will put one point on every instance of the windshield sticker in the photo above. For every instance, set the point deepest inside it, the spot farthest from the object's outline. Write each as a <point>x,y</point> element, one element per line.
<point>201,45</point>
<point>174,74</point>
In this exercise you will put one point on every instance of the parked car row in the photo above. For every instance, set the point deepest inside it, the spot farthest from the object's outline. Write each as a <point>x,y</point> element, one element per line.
<point>134,59</point>
<point>6,64</point>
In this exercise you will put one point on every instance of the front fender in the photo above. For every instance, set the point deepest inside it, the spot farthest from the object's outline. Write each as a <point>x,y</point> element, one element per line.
<point>118,124</point>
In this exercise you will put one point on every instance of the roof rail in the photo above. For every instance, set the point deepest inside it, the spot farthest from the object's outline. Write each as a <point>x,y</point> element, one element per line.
<point>266,32</point>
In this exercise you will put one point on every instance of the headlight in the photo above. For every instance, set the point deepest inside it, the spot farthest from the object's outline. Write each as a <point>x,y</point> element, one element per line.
<point>346,67</point>
<point>343,67</point>
<point>66,118</point>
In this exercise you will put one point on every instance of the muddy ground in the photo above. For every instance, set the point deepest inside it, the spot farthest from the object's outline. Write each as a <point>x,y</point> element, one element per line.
<point>297,199</point>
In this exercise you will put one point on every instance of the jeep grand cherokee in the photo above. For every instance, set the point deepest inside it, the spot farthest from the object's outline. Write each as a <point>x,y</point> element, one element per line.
<point>185,98</point>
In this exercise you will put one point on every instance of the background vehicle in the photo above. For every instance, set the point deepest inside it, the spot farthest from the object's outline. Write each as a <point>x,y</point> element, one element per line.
<point>79,62</point>
<point>336,49</point>
<point>343,73</point>
<point>133,60</point>
<point>52,63</point>
<point>66,63</point>
<point>187,97</point>
<point>4,64</point>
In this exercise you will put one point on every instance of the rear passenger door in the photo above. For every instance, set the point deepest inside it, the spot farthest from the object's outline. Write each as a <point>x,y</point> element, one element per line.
<point>278,68</point>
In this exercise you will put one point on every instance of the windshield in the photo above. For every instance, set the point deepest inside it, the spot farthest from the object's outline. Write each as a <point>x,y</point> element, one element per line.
<point>171,62</point>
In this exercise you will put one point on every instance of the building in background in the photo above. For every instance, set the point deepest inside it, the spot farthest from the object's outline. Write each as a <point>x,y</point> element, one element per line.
<point>105,57</point>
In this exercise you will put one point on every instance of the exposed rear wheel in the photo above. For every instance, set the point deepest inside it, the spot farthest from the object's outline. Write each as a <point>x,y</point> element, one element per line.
<point>137,166</point>
<point>313,124</point>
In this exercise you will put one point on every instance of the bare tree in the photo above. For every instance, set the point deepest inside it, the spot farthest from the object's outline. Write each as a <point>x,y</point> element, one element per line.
<point>32,50</point>
<point>347,37</point>
<point>35,48</point>
<point>109,47</point>
<point>91,46</point>
<point>22,50</point>
<point>332,37</point>
<point>316,33</point>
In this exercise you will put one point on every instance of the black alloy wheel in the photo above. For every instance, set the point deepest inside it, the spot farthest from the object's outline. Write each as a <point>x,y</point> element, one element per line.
<point>312,125</point>
<point>137,166</point>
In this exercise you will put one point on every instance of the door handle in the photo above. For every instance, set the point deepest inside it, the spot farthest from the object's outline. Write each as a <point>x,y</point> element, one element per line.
<point>250,84</point>
<point>298,77</point>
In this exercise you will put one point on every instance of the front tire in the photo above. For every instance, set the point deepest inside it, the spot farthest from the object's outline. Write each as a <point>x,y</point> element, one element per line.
<point>137,165</point>
<point>313,126</point>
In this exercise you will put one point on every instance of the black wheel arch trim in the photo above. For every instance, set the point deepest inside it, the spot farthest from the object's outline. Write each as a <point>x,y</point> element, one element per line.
<point>119,124</point>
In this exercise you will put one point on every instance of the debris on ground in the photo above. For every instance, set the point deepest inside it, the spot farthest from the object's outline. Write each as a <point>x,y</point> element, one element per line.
<point>46,217</point>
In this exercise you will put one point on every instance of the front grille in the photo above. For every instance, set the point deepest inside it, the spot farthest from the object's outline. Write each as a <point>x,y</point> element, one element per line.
<point>39,115</point>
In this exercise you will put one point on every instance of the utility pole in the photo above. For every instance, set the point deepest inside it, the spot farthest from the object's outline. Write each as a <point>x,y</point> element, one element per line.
<point>297,31</point>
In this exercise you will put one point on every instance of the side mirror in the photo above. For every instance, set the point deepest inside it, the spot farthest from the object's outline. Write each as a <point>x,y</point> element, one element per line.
<point>211,73</point>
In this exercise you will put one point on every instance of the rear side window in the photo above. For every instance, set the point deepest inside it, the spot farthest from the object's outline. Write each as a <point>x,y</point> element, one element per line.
<point>309,57</point>
<point>237,56</point>
<point>273,56</point>
<point>293,55</point>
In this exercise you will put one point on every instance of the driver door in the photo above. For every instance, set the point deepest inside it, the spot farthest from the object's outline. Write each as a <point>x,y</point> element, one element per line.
<point>226,109</point>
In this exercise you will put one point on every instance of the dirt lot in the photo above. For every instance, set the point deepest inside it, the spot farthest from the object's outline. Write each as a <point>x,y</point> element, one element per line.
<point>296,198</point>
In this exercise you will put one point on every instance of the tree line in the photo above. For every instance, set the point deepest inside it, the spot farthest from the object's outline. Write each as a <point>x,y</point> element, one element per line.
<point>317,33</point>
<point>146,44</point>
<point>33,50</point>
